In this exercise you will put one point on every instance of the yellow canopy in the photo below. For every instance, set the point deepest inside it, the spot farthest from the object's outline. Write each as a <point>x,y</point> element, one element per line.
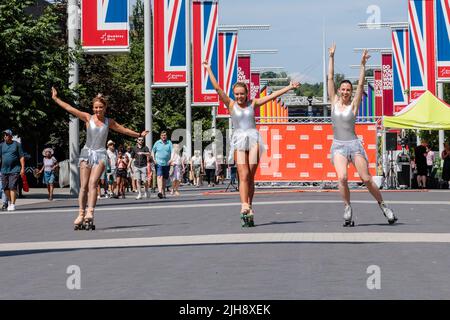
<point>426,113</point>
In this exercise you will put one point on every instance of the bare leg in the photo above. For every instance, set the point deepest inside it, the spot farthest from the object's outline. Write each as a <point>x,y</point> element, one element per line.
<point>253,158</point>
<point>85,172</point>
<point>363,171</point>
<point>244,175</point>
<point>51,191</point>
<point>340,164</point>
<point>96,172</point>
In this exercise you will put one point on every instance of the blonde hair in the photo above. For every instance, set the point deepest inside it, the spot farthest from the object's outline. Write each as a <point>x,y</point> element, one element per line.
<point>100,98</point>
<point>241,85</point>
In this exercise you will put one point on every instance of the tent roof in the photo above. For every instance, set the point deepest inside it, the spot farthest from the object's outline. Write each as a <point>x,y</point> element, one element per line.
<point>426,113</point>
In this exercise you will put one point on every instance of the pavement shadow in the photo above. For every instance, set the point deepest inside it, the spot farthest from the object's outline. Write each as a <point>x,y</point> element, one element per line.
<point>379,224</point>
<point>276,223</point>
<point>41,206</point>
<point>139,226</point>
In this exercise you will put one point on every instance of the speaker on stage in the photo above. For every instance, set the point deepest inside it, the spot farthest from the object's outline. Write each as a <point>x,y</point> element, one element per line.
<point>391,141</point>
<point>404,174</point>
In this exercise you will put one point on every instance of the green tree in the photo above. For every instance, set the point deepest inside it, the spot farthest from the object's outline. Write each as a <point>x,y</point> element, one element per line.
<point>34,57</point>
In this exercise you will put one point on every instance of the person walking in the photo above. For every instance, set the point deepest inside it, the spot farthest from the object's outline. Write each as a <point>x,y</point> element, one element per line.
<point>49,168</point>
<point>122,165</point>
<point>140,155</point>
<point>430,160</point>
<point>210,165</point>
<point>196,167</point>
<point>12,167</point>
<point>111,174</point>
<point>161,152</point>
<point>178,169</point>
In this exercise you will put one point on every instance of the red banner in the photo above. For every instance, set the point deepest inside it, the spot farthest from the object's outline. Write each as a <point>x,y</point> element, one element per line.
<point>169,42</point>
<point>255,89</point>
<point>388,84</point>
<point>205,20</point>
<point>378,88</point>
<point>105,25</point>
<point>301,152</point>
<point>228,70</point>
<point>244,71</point>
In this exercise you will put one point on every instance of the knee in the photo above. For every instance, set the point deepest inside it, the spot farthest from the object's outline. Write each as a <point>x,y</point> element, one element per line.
<point>83,189</point>
<point>343,180</point>
<point>93,185</point>
<point>244,177</point>
<point>366,180</point>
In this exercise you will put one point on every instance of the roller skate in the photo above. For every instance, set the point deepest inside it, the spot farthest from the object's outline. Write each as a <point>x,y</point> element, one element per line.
<point>348,217</point>
<point>78,223</point>
<point>245,211</point>
<point>388,213</point>
<point>89,220</point>
<point>250,218</point>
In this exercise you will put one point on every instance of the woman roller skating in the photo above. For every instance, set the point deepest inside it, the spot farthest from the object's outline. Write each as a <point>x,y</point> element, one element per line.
<point>346,146</point>
<point>93,155</point>
<point>246,142</point>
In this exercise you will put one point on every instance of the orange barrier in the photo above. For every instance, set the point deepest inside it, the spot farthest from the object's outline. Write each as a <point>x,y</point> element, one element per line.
<point>301,152</point>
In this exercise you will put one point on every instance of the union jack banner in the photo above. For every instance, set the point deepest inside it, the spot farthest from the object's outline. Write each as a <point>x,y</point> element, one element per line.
<point>205,20</point>
<point>228,67</point>
<point>422,47</point>
<point>169,42</point>
<point>443,38</point>
<point>105,26</point>
<point>400,50</point>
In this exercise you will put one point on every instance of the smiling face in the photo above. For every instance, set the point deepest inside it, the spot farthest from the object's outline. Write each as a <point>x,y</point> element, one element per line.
<point>345,91</point>
<point>240,93</point>
<point>99,109</point>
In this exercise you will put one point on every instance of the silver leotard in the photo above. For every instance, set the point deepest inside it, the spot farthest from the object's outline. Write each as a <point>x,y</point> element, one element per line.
<point>345,141</point>
<point>94,150</point>
<point>343,123</point>
<point>245,134</point>
<point>243,118</point>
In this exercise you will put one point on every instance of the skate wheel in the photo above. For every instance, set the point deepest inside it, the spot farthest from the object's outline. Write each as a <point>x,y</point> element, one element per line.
<point>93,228</point>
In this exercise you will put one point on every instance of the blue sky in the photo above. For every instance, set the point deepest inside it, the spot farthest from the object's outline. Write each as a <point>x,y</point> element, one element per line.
<point>296,31</point>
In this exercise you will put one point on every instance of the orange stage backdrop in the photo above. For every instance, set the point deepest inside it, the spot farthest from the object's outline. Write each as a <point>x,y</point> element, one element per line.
<point>301,152</point>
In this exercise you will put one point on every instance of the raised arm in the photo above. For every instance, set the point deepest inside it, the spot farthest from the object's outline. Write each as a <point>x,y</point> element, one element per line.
<point>262,101</point>
<point>222,95</point>
<point>362,74</point>
<point>113,125</point>
<point>84,116</point>
<point>330,82</point>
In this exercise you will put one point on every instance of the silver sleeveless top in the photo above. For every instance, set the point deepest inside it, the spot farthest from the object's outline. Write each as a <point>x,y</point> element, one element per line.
<point>343,124</point>
<point>95,148</point>
<point>243,118</point>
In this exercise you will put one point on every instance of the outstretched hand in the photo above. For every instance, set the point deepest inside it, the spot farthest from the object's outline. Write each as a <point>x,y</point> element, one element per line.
<point>332,50</point>
<point>206,64</point>
<point>365,57</point>
<point>295,84</point>
<point>54,93</point>
<point>144,133</point>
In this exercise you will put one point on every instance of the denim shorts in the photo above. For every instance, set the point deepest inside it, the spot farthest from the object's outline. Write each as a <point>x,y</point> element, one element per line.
<point>162,171</point>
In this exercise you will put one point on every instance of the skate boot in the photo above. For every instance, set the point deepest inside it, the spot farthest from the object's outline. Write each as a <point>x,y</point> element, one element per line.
<point>78,223</point>
<point>89,219</point>
<point>348,217</point>
<point>388,213</point>
<point>250,218</point>
<point>245,211</point>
